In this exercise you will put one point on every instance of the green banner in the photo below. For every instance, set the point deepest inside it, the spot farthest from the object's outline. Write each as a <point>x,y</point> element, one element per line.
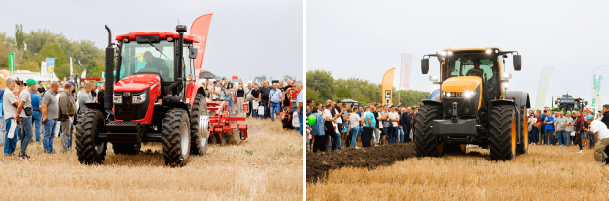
<point>11,62</point>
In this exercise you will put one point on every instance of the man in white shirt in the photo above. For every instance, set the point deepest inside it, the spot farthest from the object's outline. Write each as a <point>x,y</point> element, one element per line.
<point>330,127</point>
<point>393,118</point>
<point>601,136</point>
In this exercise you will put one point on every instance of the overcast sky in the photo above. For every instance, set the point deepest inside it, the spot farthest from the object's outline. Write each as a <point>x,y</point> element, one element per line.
<point>246,38</point>
<point>363,39</point>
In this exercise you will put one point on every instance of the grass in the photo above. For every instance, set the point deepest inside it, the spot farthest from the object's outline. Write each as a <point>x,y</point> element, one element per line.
<point>226,172</point>
<point>546,173</point>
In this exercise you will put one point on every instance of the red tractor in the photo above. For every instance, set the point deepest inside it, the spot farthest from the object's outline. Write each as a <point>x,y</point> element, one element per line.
<point>153,96</point>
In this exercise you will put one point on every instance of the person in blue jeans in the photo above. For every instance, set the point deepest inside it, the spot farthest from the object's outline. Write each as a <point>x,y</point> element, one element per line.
<point>25,119</point>
<point>50,113</point>
<point>36,115</point>
<point>549,129</point>
<point>275,97</point>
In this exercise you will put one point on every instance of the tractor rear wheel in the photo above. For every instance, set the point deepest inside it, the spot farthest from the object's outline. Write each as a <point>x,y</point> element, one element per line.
<point>502,132</point>
<point>89,150</point>
<point>425,143</point>
<point>126,148</point>
<point>199,126</point>
<point>176,137</point>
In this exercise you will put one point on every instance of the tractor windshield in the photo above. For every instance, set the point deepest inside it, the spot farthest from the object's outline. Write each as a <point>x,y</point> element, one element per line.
<point>146,58</point>
<point>475,65</point>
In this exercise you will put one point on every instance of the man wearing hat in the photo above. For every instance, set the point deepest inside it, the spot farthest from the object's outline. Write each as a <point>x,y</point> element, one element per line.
<point>601,134</point>
<point>24,112</point>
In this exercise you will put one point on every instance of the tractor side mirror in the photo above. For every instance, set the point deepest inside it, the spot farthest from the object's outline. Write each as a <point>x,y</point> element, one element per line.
<point>192,54</point>
<point>424,66</point>
<point>517,62</point>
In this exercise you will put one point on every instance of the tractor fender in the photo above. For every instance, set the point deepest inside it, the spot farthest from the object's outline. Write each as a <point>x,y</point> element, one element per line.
<point>521,98</point>
<point>191,92</point>
<point>432,102</point>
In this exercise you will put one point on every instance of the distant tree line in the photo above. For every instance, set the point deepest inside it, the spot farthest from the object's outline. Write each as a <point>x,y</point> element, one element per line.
<point>321,86</point>
<point>32,48</point>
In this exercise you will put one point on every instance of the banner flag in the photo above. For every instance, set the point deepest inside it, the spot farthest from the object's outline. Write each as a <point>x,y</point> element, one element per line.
<point>387,87</point>
<point>83,74</point>
<point>199,30</point>
<point>405,71</point>
<point>597,77</point>
<point>43,69</point>
<point>544,81</point>
<point>11,62</point>
<point>70,66</point>
<point>50,65</point>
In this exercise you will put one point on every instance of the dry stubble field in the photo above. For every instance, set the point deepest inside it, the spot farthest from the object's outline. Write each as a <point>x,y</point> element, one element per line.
<point>546,173</point>
<point>271,169</point>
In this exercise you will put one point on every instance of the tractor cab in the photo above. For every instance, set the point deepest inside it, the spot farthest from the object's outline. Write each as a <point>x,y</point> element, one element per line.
<point>157,53</point>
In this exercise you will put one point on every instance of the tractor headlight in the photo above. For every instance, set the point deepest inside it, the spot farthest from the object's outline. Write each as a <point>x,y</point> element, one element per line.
<point>468,94</point>
<point>449,94</point>
<point>489,51</point>
<point>506,85</point>
<point>507,76</point>
<point>139,98</point>
<point>117,99</point>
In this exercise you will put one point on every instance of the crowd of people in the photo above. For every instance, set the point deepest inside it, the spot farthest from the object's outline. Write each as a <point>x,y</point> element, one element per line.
<point>334,124</point>
<point>44,110</point>
<point>377,125</point>
<point>263,100</point>
<point>581,128</point>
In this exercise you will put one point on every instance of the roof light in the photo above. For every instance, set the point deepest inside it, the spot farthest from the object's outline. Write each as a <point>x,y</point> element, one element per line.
<point>169,38</point>
<point>450,53</point>
<point>443,53</point>
<point>488,51</point>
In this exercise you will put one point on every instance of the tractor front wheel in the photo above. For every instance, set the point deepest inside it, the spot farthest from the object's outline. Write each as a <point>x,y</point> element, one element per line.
<point>425,143</point>
<point>502,131</point>
<point>88,150</point>
<point>176,137</point>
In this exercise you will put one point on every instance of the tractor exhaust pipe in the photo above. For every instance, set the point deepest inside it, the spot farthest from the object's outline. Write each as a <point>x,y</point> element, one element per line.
<point>177,70</point>
<point>109,72</point>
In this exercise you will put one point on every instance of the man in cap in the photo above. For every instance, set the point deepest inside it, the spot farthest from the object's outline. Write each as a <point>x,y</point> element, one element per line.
<point>36,116</point>
<point>24,112</point>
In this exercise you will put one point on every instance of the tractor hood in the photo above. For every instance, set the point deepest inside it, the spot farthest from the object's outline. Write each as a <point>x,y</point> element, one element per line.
<point>136,83</point>
<point>461,84</point>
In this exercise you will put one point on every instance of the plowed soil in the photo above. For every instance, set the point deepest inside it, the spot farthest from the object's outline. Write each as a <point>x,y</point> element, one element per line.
<point>318,164</point>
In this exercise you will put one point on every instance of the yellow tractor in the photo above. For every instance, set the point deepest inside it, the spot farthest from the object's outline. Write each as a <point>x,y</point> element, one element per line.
<point>474,106</point>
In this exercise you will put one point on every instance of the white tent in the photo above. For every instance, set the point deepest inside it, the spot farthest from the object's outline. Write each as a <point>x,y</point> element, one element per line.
<point>38,78</point>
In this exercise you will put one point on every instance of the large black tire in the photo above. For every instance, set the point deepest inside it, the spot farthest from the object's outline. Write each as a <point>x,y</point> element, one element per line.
<point>87,149</point>
<point>502,133</point>
<point>126,148</point>
<point>523,148</point>
<point>176,137</point>
<point>425,143</point>
<point>199,126</point>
